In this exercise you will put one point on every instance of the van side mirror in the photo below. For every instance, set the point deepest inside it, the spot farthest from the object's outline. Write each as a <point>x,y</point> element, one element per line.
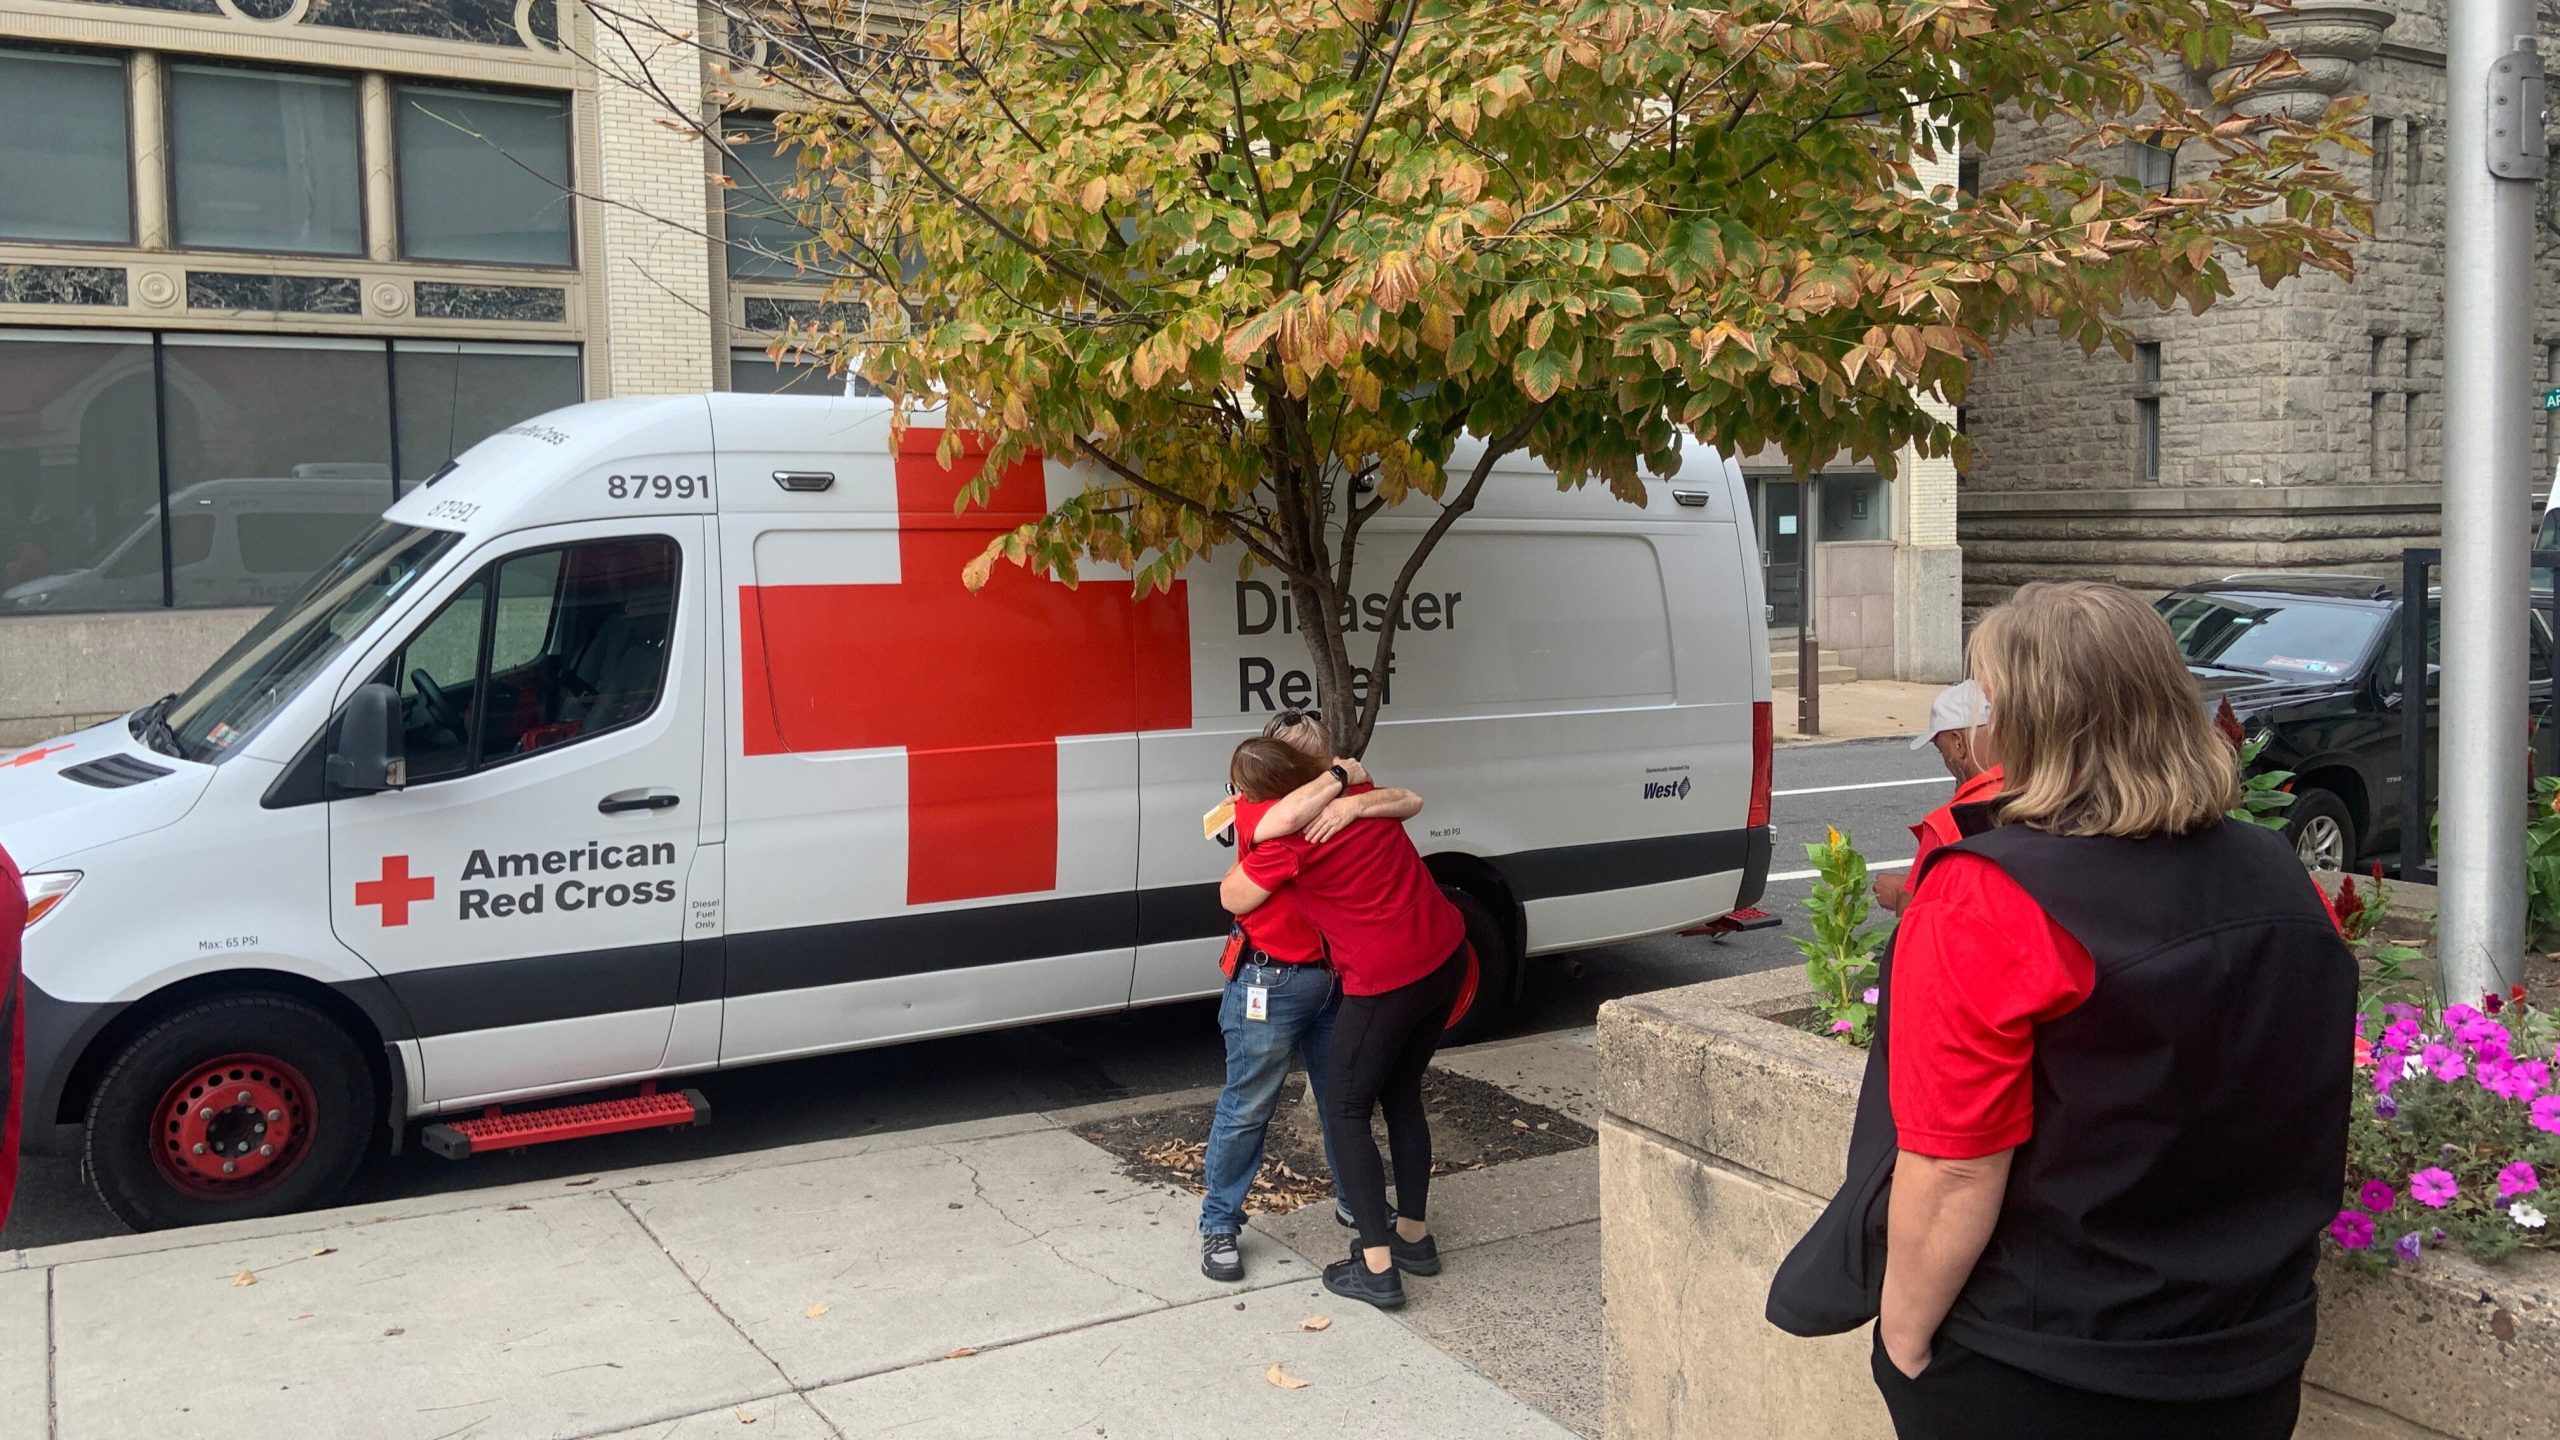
<point>368,754</point>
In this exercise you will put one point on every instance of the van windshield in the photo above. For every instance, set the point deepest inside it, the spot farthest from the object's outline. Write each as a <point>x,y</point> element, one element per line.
<point>254,679</point>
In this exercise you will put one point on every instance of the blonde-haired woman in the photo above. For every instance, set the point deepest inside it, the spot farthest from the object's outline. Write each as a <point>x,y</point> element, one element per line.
<point>2114,1042</point>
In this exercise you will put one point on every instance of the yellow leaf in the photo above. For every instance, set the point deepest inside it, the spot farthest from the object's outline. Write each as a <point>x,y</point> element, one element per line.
<point>814,1311</point>
<point>1096,190</point>
<point>323,1250</point>
<point>963,1353</point>
<point>744,1418</point>
<point>1283,1379</point>
<point>1835,833</point>
<point>245,1277</point>
<point>1316,1322</point>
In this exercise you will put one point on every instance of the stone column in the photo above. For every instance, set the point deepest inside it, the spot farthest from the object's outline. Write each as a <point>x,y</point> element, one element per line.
<point>381,185</point>
<point>656,269</point>
<point>146,87</point>
<point>1928,568</point>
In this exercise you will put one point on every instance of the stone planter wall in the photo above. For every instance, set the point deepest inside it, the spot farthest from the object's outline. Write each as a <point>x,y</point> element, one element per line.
<point>1724,1133</point>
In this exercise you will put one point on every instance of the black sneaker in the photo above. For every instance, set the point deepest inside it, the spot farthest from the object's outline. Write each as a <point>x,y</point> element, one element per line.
<point>1220,1259</point>
<point>1416,1257</point>
<point>1354,1280</point>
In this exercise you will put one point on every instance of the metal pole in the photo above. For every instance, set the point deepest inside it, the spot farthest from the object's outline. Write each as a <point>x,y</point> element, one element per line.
<point>2493,156</point>
<point>1808,640</point>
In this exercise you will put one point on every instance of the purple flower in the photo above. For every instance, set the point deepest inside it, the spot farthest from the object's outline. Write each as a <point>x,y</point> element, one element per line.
<point>2387,1073</point>
<point>2546,1114</point>
<point>2490,1041</point>
<point>1872,995</point>
<point>1842,1027</point>
<point>2352,1230</point>
<point>2517,1179</point>
<point>2385,1108</point>
<point>2432,1187</point>
<point>2497,1077</point>
<point>2408,1248</point>
<point>2376,1196</point>
<point>2401,1034</point>
<point>2444,1062</point>
<point>2400,1011</point>
<point>2529,1078</point>
<point>2457,1016</point>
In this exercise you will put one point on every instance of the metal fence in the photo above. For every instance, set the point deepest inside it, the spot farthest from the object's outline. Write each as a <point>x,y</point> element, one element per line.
<point>2417,696</point>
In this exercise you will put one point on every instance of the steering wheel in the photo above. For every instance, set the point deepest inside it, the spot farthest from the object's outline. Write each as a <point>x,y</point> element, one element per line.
<point>440,706</point>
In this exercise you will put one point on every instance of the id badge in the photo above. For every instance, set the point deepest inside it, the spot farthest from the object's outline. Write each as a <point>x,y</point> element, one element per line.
<point>1257,1003</point>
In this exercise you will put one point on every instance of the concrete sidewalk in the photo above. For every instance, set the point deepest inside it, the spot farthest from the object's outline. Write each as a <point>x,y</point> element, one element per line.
<point>1859,710</point>
<point>995,1278</point>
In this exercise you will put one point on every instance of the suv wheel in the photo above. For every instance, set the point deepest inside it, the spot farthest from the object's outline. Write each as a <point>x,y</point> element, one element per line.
<point>2322,832</point>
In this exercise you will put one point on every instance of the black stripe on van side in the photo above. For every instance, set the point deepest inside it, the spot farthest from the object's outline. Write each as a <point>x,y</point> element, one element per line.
<point>534,989</point>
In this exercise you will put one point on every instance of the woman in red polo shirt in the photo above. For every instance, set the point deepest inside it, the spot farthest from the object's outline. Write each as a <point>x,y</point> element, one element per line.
<point>1400,949</point>
<point>2110,1039</point>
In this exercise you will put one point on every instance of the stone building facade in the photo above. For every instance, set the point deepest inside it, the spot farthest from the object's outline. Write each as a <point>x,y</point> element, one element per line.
<point>263,263</point>
<point>2293,429</point>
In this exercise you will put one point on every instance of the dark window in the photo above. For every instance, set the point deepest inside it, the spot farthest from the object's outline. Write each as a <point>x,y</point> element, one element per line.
<point>2146,410</point>
<point>484,176</point>
<point>265,160</point>
<point>288,543</point>
<point>763,231</point>
<point>575,645</point>
<point>65,159</point>
<point>2155,166</point>
<point>451,395</point>
<point>79,472</point>
<point>753,372</point>
<point>2297,640</point>
<point>2382,176</point>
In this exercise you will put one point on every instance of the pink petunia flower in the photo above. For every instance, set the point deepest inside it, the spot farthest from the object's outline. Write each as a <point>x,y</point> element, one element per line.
<point>2401,1034</point>
<point>2432,1187</point>
<point>1842,1027</point>
<point>1872,995</point>
<point>2444,1062</point>
<point>2457,1016</point>
<point>2518,1179</point>
<point>2352,1230</point>
<point>2490,1042</point>
<point>2376,1196</point>
<point>2530,1078</point>
<point>2386,1074</point>
<point>2546,1114</point>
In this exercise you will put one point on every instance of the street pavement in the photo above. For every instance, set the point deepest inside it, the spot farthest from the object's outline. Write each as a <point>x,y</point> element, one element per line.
<point>1871,789</point>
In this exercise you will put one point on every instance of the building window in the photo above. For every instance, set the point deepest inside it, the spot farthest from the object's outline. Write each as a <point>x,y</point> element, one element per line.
<point>2155,167</point>
<point>265,160</point>
<point>762,230</point>
<point>2146,410</point>
<point>2377,447</point>
<point>2409,406</point>
<point>753,372</point>
<point>448,395</point>
<point>277,451</point>
<point>2382,159</point>
<point>484,176</point>
<point>2414,143</point>
<point>64,148</point>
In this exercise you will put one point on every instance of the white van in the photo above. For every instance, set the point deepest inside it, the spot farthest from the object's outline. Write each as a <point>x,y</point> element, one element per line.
<point>658,736</point>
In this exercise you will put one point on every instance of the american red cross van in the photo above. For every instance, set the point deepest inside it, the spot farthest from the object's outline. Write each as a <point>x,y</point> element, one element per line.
<point>659,736</point>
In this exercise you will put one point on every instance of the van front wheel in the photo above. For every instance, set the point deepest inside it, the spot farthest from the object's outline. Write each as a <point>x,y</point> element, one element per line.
<point>244,1106</point>
<point>1485,992</point>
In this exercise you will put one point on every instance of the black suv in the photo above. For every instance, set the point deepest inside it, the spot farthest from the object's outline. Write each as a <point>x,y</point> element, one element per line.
<point>2316,660</point>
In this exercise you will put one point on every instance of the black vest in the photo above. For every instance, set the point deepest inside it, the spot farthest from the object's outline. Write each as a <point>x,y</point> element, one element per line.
<point>2161,1228</point>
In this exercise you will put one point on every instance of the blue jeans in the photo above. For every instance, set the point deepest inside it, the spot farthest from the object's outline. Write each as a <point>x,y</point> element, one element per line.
<point>1303,999</point>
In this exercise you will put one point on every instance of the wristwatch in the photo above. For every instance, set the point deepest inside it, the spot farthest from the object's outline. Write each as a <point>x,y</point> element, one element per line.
<point>1341,776</point>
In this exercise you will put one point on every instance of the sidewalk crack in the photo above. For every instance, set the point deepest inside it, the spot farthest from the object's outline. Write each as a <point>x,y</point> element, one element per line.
<point>761,1353</point>
<point>1040,1237</point>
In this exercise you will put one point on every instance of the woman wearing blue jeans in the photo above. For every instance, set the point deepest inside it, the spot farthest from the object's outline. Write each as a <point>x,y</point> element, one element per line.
<point>1280,1002</point>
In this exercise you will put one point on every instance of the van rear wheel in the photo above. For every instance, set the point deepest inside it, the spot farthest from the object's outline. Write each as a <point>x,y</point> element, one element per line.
<point>244,1106</point>
<point>1485,993</point>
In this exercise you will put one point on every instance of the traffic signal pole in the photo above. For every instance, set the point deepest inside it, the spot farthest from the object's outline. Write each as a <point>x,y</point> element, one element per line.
<point>2493,161</point>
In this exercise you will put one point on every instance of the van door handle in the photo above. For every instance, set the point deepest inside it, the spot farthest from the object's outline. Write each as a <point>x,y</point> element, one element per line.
<point>621,800</point>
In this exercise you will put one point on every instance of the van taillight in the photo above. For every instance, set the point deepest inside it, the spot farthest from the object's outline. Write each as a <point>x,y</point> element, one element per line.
<point>1763,741</point>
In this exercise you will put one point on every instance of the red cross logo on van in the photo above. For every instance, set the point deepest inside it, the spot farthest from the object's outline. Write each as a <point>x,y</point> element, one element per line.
<point>395,890</point>
<point>977,688</point>
<point>30,757</point>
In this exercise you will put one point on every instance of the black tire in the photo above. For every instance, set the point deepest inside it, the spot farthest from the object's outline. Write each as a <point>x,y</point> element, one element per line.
<point>1496,969</point>
<point>2318,821</point>
<point>288,1055</point>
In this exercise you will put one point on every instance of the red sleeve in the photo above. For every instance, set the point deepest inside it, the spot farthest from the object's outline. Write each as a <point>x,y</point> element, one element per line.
<point>1274,863</point>
<point>1249,815</point>
<point>1977,966</point>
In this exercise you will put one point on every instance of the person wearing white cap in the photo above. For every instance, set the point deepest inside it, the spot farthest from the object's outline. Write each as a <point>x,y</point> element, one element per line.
<point>1960,728</point>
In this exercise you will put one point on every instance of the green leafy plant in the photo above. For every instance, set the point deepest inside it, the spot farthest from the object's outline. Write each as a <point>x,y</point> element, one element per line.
<point>2264,794</point>
<point>2542,857</point>
<point>1843,954</point>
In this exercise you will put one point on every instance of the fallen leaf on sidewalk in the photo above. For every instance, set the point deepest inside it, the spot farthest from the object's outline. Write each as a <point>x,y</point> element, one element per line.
<point>963,1353</point>
<point>519,1207</point>
<point>305,1315</point>
<point>245,1277</point>
<point>741,1412</point>
<point>1519,1124</point>
<point>1316,1322</point>
<point>323,1250</point>
<point>814,1311</point>
<point>1283,1379</point>
<point>574,1184</point>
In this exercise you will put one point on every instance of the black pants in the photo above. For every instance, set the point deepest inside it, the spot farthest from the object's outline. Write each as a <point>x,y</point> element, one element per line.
<point>1965,1396</point>
<point>1381,1046</point>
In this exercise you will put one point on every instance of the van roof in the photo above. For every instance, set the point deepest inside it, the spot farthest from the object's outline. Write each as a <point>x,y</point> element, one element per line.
<point>552,469</point>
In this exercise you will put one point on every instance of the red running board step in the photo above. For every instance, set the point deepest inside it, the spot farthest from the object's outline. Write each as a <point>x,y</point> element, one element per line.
<point>462,1139</point>
<point>1735,923</point>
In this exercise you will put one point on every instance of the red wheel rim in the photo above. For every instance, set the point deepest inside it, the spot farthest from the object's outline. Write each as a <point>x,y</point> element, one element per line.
<point>1466,990</point>
<point>232,1128</point>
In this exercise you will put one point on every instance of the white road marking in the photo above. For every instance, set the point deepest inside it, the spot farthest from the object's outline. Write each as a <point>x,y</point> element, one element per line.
<point>1872,867</point>
<point>1869,785</point>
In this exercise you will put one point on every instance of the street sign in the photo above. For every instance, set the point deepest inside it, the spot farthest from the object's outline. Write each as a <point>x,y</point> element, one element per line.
<point>2551,399</point>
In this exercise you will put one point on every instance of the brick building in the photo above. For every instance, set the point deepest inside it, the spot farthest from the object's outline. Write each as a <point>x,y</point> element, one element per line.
<point>265,262</point>
<point>2298,428</point>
